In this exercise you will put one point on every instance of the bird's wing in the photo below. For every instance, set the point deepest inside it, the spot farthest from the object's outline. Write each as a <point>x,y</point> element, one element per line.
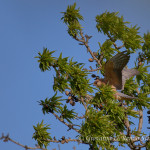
<point>128,73</point>
<point>113,69</point>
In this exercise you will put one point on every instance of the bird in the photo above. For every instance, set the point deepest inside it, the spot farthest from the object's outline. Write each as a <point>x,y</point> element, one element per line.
<point>116,74</point>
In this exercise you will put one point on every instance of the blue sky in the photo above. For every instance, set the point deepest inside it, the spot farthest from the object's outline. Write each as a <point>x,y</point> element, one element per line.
<point>26,26</point>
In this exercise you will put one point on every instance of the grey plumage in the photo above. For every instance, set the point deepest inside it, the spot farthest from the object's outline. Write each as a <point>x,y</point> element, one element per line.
<point>124,96</point>
<point>127,74</point>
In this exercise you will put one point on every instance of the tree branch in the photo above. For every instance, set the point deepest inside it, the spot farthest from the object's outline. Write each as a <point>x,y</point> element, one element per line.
<point>65,141</point>
<point>84,41</point>
<point>115,45</point>
<point>126,122</point>
<point>80,117</point>
<point>62,120</point>
<point>131,110</point>
<point>7,138</point>
<point>140,120</point>
<point>120,46</point>
<point>140,117</point>
<point>84,104</point>
<point>62,141</point>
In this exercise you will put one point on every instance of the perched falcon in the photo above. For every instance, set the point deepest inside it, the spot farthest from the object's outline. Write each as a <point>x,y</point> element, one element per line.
<point>116,74</point>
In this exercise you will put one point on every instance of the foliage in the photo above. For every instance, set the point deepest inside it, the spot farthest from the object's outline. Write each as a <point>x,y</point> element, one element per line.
<point>115,26</point>
<point>71,19</point>
<point>51,105</point>
<point>46,60</point>
<point>68,114</point>
<point>41,134</point>
<point>106,120</point>
<point>148,145</point>
<point>69,74</point>
<point>94,129</point>
<point>146,47</point>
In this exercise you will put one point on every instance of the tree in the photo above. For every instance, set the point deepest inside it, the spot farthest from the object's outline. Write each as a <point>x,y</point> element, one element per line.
<point>106,120</point>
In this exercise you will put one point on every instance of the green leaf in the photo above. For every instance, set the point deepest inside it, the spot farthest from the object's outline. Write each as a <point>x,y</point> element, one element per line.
<point>71,18</point>
<point>68,114</point>
<point>115,27</point>
<point>41,135</point>
<point>72,14</point>
<point>45,59</point>
<point>52,104</point>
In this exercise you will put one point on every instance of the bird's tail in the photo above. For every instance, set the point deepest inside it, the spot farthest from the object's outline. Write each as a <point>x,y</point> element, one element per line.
<point>122,96</point>
<point>127,74</point>
<point>133,72</point>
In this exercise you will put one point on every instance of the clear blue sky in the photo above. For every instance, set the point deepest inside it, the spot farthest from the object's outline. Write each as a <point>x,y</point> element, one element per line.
<point>26,26</point>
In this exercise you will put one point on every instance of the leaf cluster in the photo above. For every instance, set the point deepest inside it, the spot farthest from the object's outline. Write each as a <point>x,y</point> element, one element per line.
<point>98,129</point>
<point>45,59</point>
<point>67,114</point>
<point>104,116</point>
<point>106,50</point>
<point>114,26</point>
<point>110,106</point>
<point>146,47</point>
<point>52,104</point>
<point>71,18</point>
<point>143,79</point>
<point>41,135</point>
<point>55,105</point>
<point>69,74</point>
<point>131,87</point>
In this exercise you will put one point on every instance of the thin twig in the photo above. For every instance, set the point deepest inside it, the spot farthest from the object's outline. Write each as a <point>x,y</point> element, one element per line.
<point>85,42</point>
<point>84,104</point>
<point>7,138</point>
<point>81,117</point>
<point>140,146</point>
<point>65,141</point>
<point>92,70</point>
<point>120,46</point>
<point>101,57</point>
<point>115,45</point>
<point>71,126</point>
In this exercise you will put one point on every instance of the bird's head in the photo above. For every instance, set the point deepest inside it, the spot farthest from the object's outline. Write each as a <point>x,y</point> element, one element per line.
<point>99,82</point>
